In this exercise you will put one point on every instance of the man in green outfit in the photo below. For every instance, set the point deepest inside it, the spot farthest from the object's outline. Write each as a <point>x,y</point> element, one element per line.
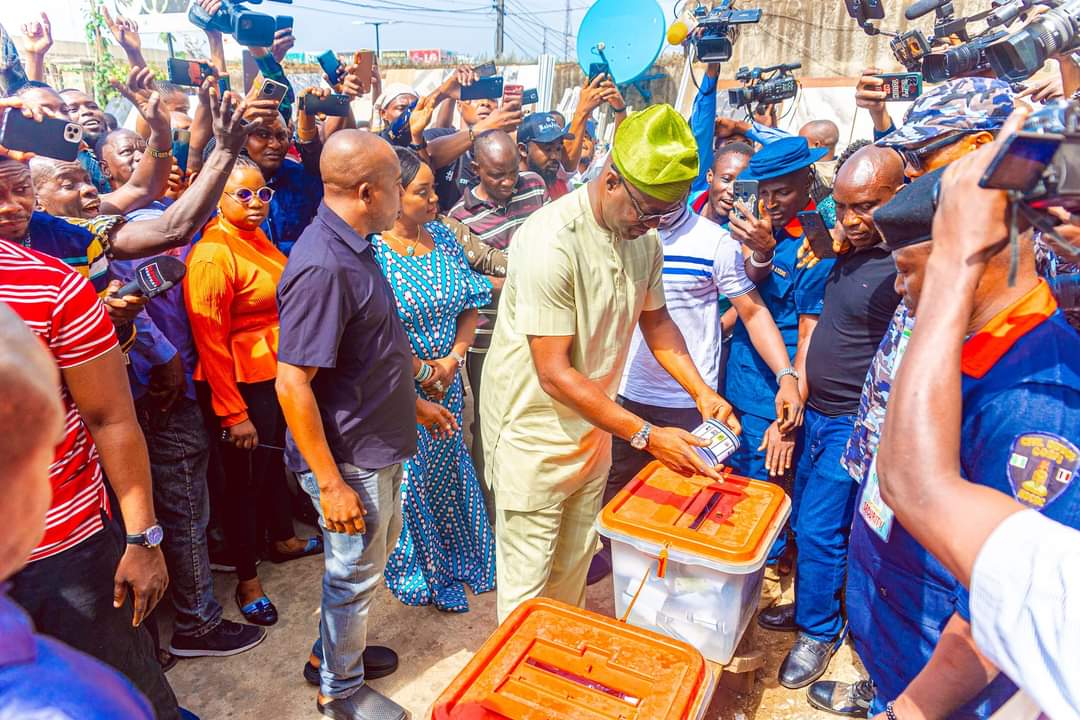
<point>585,270</point>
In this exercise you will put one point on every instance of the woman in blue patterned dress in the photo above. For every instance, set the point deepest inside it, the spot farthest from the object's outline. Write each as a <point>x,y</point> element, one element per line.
<point>446,540</point>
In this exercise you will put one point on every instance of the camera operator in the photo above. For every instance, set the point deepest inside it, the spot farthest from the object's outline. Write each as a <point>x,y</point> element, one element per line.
<point>998,365</point>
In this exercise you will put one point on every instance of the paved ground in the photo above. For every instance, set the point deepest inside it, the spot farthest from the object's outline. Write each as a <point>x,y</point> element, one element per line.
<point>266,684</point>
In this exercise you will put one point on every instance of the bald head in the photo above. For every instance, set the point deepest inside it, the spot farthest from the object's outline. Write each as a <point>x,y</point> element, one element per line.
<point>362,179</point>
<point>822,134</point>
<point>866,181</point>
<point>353,157</point>
<point>31,423</point>
<point>495,146</point>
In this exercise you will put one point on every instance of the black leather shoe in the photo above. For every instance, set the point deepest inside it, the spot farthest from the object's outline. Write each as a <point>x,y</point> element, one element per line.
<point>379,662</point>
<point>779,618</point>
<point>364,704</point>
<point>807,660</point>
<point>600,566</point>
<point>840,698</point>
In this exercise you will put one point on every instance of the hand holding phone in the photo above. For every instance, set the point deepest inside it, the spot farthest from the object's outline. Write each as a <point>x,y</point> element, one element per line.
<point>272,90</point>
<point>530,97</point>
<point>332,105</point>
<point>330,65</point>
<point>489,88</point>
<point>746,191</point>
<point>49,137</point>
<point>190,73</point>
<point>817,234</point>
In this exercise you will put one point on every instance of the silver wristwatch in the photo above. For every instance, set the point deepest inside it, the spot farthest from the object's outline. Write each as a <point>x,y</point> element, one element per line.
<point>459,359</point>
<point>640,439</point>
<point>787,371</point>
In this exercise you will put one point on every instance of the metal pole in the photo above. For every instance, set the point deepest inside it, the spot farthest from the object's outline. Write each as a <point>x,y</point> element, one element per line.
<point>500,13</point>
<point>378,48</point>
<point>566,33</point>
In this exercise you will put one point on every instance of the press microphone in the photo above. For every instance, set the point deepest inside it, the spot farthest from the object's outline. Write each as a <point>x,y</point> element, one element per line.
<point>922,7</point>
<point>154,277</point>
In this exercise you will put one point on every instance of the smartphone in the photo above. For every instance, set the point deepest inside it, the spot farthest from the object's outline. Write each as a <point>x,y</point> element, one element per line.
<point>57,139</point>
<point>747,192</point>
<point>366,60</point>
<point>515,91</point>
<point>283,21</point>
<point>335,105</point>
<point>530,97</point>
<point>1020,164</point>
<point>488,88</point>
<point>181,142</point>
<point>272,90</point>
<point>817,233</point>
<point>330,65</point>
<point>901,86</point>
<point>485,70</point>
<point>189,72</point>
<point>599,69</point>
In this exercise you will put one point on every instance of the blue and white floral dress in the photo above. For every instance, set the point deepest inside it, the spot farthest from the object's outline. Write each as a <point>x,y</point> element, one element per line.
<point>446,540</point>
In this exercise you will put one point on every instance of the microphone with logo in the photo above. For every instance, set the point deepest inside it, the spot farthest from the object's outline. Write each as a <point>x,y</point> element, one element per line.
<point>154,277</point>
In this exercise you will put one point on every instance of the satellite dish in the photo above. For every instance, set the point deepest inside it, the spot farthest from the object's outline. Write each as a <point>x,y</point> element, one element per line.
<point>627,34</point>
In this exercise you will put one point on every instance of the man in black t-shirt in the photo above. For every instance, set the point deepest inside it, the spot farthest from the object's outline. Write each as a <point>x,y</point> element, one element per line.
<point>860,300</point>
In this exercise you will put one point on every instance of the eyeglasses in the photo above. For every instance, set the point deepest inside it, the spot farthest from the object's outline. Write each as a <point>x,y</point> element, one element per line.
<point>652,219</point>
<point>915,158</point>
<point>244,195</point>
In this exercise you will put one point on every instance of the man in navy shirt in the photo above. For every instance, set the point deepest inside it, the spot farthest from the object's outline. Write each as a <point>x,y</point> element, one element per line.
<point>40,676</point>
<point>345,384</point>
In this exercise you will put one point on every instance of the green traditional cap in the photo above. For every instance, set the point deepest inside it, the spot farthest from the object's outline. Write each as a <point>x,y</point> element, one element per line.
<point>655,151</point>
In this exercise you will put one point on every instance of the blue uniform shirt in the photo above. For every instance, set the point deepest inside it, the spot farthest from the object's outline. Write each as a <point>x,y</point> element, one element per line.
<point>1021,424</point>
<point>788,292</point>
<point>297,194</point>
<point>41,677</point>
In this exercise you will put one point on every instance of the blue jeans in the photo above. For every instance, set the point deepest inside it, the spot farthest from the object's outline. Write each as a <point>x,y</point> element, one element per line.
<point>749,462</point>
<point>354,569</point>
<point>822,507</point>
<point>178,450</point>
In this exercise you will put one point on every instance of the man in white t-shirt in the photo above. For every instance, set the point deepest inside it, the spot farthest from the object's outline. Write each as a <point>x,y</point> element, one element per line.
<point>702,263</point>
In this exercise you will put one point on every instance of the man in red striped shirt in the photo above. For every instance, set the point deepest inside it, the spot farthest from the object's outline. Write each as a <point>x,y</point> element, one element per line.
<point>76,586</point>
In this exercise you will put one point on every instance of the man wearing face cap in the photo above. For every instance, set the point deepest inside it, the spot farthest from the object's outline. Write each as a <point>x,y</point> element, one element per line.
<point>587,269</point>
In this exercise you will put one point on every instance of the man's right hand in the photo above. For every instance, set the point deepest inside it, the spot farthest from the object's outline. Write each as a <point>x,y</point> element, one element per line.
<point>505,118</point>
<point>674,447</point>
<point>342,509</point>
<point>593,94</point>
<point>124,30</point>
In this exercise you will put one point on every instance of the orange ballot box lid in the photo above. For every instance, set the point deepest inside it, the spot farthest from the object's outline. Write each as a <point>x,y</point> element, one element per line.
<point>551,661</point>
<point>729,524</point>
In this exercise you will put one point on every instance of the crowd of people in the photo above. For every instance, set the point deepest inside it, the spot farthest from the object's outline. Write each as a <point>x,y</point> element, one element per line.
<point>346,287</point>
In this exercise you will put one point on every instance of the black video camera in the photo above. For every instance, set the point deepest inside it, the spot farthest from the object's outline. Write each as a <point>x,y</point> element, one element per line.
<point>1041,163</point>
<point>960,60</point>
<point>716,31</point>
<point>1021,55</point>
<point>248,28</point>
<point>777,88</point>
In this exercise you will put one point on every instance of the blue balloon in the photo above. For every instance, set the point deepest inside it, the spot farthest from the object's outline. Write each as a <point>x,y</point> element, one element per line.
<point>631,32</point>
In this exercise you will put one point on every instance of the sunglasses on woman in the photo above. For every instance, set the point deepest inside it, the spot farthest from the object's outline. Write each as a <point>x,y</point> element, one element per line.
<point>244,195</point>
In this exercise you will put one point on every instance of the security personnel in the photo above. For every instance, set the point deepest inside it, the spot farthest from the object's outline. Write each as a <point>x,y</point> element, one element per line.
<point>793,295</point>
<point>1021,405</point>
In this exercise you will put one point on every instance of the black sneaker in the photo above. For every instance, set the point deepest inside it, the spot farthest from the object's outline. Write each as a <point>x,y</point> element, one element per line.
<point>228,638</point>
<point>840,698</point>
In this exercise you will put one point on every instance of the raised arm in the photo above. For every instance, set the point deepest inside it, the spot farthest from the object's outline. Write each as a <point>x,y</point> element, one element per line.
<point>184,217</point>
<point>37,39</point>
<point>151,176</point>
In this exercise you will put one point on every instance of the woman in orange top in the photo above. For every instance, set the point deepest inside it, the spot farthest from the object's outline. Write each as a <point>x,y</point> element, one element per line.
<point>230,290</point>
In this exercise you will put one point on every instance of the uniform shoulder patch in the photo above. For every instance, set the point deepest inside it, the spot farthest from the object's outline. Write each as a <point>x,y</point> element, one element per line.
<point>1041,466</point>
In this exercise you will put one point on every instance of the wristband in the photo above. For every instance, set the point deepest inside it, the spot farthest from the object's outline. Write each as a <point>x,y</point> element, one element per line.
<point>619,111</point>
<point>424,373</point>
<point>159,154</point>
<point>785,372</point>
<point>890,713</point>
<point>763,264</point>
<point>472,134</point>
<point>460,359</point>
